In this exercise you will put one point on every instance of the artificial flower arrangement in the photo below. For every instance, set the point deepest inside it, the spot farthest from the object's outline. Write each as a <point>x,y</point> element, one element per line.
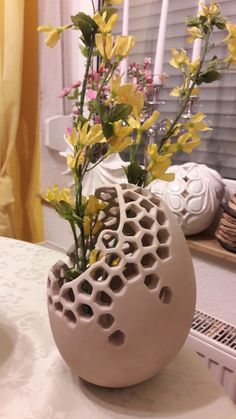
<point>114,118</point>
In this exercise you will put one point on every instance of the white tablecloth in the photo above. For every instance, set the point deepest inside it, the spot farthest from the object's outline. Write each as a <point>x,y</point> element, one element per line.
<point>35,383</point>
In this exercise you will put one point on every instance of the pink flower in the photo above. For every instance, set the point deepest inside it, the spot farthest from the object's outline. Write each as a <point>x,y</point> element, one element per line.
<point>69,131</point>
<point>76,84</point>
<point>147,62</point>
<point>75,110</point>
<point>91,94</point>
<point>65,92</point>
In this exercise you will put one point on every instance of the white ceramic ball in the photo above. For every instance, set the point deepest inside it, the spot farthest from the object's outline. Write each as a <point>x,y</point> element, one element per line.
<point>194,196</point>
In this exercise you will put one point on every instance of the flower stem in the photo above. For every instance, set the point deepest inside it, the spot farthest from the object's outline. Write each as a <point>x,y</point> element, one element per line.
<point>73,228</point>
<point>83,91</point>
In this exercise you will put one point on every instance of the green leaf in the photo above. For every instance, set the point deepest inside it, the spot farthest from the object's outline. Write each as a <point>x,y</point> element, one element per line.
<point>192,21</point>
<point>87,26</point>
<point>109,12</point>
<point>208,77</point>
<point>220,22</point>
<point>81,119</point>
<point>104,112</point>
<point>120,111</point>
<point>65,210</point>
<point>135,173</point>
<point>107,129</point>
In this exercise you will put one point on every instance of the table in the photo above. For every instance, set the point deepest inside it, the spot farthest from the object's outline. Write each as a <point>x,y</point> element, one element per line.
<point>35,383</point>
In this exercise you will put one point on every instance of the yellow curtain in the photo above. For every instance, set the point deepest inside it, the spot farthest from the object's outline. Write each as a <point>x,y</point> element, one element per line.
<point>20,208</point>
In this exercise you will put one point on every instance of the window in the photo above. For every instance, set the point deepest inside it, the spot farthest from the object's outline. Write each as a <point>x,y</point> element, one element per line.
<point>217,100</point>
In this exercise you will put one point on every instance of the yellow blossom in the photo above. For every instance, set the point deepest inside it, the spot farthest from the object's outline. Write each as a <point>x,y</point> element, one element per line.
<point>94,205</point>
<point>94,256</point>
<point>72,138</point>
<point>186,144</point>
<point>193,66</point>
<point>155,157</point>
<point>112,2</point>
<point>54,34</point>
<point>231,42</point>
<point>159,164</point>
<point>91,227</point>
<point>90,135</point>
<point>231,28</point>
<point>123,45</point>
<point>104,45</point>
<point>120,139</point>
<point>176,91</point>
<point>55,195</point>
<point>135,123</point>
<point>105,25</point>
<point>196,124</point>
<point>194,33</point>
<point>179,59</point>
<point>212,10</point>
<point>127,93</point>
<point>73,162</point>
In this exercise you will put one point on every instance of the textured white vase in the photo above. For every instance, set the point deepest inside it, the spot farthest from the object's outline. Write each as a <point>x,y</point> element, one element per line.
<point>116,326</point>
<point>194,196</point>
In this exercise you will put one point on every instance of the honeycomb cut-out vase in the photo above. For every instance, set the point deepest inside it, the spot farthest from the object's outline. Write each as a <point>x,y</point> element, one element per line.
<point>120,323</point>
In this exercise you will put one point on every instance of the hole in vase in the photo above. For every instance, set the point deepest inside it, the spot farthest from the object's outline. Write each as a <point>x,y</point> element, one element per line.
<point>148,260</point>
<point>106,320</point>
<point>70,317</point>
<point>116,284</point>
<point>151,281</point>
<point>163,252</point>
<point>163,236</point>
<point>117,338</point>
<point>58,306</point>
<point>147,240</point>
<point>103,299</point>
<point>165,295</point>
<point>85,287</point>
<point>130,271</point>
<point>84,310</point>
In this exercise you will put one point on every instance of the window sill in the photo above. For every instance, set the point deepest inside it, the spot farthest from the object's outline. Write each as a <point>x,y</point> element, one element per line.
<point>207,245</point>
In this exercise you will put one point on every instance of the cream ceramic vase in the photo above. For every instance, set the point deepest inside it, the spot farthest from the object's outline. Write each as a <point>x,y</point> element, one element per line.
<point>116,326</point>
<point>194,196</point>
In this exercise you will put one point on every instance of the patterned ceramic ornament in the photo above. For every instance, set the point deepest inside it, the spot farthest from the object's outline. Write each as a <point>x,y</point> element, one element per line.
<point>194,196</point>
<point>118,325</point>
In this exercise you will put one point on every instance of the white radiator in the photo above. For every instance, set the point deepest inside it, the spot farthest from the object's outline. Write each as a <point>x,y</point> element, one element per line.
<point>215,343</point>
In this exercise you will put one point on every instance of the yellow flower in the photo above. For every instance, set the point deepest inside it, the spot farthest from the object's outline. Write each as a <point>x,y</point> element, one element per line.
<point>94,256</point>
<point>155,157</point>
<point>194,33</point>
<point>120,139</point>
<point>193,66</point>
<point>94,205</point>
<point>72,138</point>
<point>91,227</point>
<point>55,195</point>
<point>195,91</point>
<point>158,171</point>
<point>196,124</point>
<point>104,45</point>
<point>179,59</point>
<point>112,2</point>
<point>105,26</point>
<point>232,52</point>
<point>186,144</point>
<point>176,91</point>
<point>90,135</point>
<point>127,93</point>
<point>209,11</point>
<point>123,45</point>
<point>73,162</point>
<point>231,28</point>
<point>54,34</point>
<point>135,123</point>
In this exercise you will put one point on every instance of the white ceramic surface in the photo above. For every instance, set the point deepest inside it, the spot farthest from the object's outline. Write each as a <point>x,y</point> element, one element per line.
<point>194,196</point>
